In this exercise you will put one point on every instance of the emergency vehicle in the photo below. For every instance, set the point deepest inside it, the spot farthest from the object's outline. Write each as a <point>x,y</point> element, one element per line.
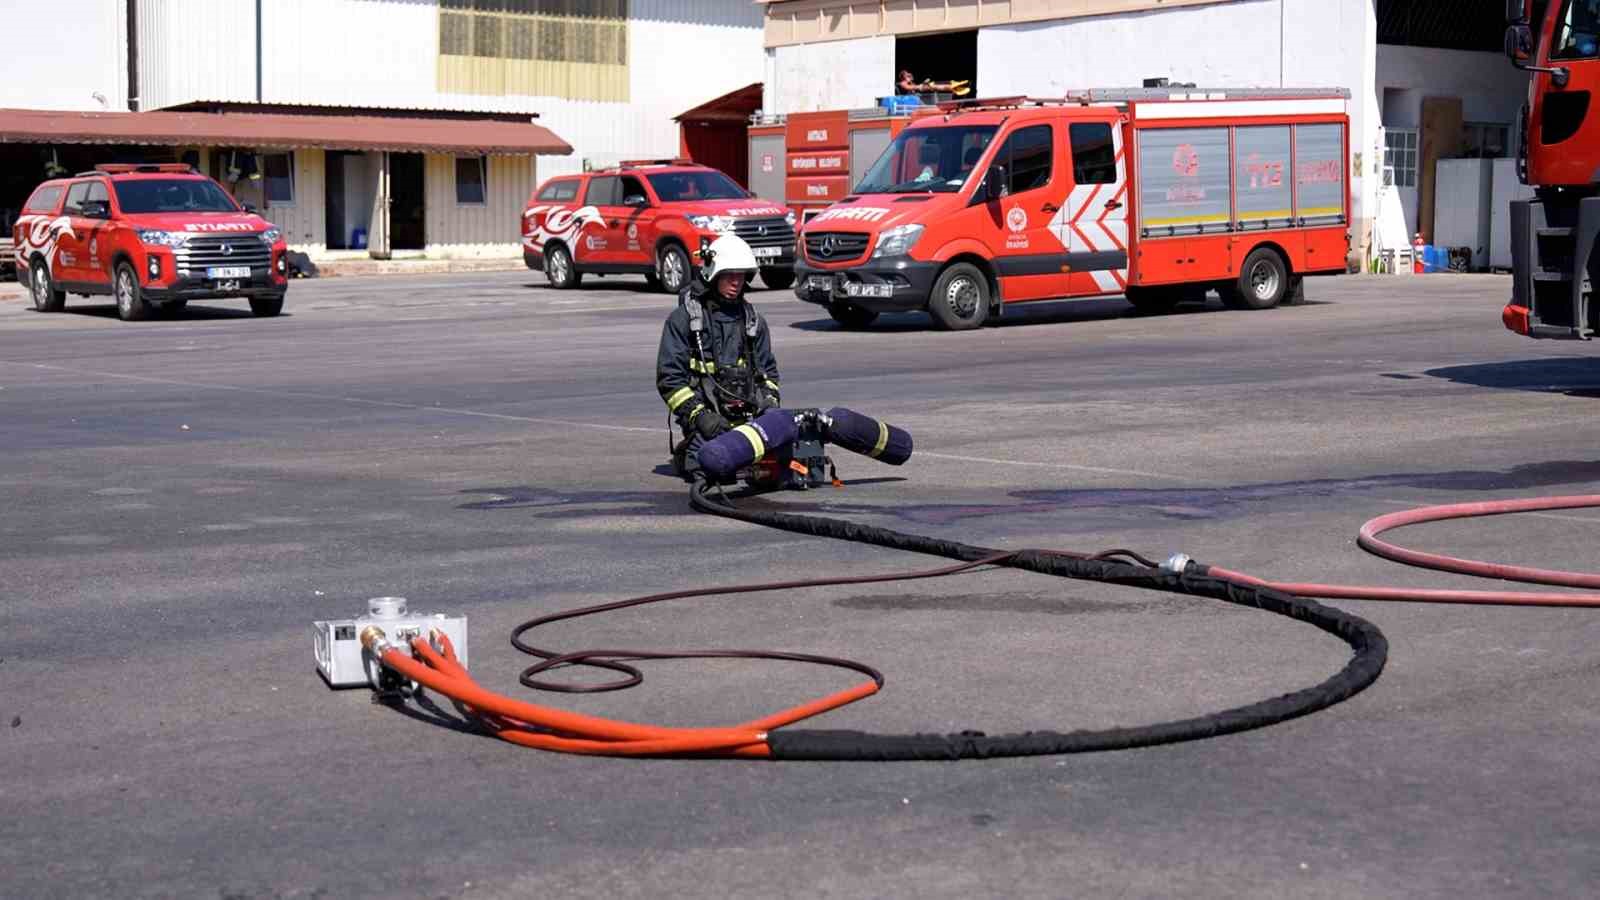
<point>648,218</point>
<point>153,237</point>
<point>1157,194</point>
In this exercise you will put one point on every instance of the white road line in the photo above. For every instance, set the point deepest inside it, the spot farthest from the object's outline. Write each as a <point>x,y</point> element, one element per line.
<point>303,395</point>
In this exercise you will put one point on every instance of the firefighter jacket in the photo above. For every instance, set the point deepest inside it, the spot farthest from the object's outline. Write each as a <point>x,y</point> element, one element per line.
<point>714,355</point>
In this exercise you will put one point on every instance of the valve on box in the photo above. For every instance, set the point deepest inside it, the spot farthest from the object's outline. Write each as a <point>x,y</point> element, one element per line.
<point>347,650</point>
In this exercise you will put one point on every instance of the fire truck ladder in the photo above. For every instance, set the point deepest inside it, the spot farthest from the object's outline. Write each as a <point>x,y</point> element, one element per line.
<point>1552,250</point>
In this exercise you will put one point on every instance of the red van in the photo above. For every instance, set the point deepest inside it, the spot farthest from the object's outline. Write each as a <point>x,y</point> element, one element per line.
<point>153,237</point>
<point>647,218</point>
<point>1156,194</point>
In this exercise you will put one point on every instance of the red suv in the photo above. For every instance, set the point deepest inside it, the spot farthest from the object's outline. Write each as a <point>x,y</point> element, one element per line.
<point>151,236</point>
<point>647,218</point>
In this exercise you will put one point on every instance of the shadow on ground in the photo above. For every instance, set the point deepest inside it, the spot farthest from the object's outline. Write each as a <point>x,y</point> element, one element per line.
<point>1575,376</point>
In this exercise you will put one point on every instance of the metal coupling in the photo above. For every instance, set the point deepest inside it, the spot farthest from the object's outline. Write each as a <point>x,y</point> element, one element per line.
<point>1177,563</point>
<point>375,641</point>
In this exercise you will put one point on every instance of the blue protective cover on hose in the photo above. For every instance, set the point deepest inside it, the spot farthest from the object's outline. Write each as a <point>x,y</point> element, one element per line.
<point>868,436</point>
<point>724,455</point>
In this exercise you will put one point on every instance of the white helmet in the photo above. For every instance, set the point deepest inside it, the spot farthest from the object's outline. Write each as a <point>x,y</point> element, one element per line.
<point>728,253</point>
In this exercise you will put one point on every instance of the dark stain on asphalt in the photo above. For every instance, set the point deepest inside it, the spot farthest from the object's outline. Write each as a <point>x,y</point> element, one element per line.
<point>569,504</point>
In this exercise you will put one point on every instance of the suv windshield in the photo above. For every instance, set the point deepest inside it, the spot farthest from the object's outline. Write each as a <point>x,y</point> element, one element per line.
<point>161,195</point>
<point>676,186</point>
<point>932,160</point>
<point>1577,30</point>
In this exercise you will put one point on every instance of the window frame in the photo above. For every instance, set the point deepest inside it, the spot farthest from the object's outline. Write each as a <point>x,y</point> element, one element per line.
<point>577,188</point>
<point>1110,148</point>
<point>595,181</point>
<point>1409,149</point>
<point>483,180</point>
<point>70,207</point>
<point>1006,150</point>
<point>55,202</point>
<point>267,179</point>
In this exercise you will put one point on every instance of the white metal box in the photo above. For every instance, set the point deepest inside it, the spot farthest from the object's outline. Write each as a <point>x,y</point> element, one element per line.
<point>1464,190</point>
<point>342,660</point>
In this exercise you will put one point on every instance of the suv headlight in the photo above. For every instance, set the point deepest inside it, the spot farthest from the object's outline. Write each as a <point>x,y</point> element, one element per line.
<point>897,241</point>
<point>789,217</point>
<point>270,236</point>
<point>716,224</point>
<point>163,238</point>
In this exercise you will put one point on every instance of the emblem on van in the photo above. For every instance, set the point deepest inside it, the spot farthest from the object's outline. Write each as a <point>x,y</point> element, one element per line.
<point>826,249</point>
<point>1017,219</point>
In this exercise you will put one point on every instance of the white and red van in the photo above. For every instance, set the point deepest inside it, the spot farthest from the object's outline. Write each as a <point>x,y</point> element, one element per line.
<point>1156,194</point>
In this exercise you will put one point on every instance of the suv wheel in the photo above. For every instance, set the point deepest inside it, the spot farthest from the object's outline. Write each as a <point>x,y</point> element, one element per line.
<point>45,296</point>
<point>559,268</point>
<point>131,305</point>
<point>672,267</point>
<point>960,298</point>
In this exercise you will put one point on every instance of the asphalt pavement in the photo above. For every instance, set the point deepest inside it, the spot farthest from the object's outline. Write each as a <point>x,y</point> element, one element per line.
<point>183,497</point>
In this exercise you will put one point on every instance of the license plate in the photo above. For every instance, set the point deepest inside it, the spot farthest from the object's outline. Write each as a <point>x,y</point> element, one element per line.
<point>857,289</point>
<point>228,272</point>
<point>227,286</point>
<point>767,252</point>
<point>819,283</point>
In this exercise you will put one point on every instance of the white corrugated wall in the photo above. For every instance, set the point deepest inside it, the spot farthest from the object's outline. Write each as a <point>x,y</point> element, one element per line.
<point>492,229</point>
<point>59,55</point>
<point>196,50</point>
<point>304,222</point>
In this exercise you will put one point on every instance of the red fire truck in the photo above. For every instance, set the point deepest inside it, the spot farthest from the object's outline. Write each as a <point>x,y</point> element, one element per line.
<point>1157,194</point>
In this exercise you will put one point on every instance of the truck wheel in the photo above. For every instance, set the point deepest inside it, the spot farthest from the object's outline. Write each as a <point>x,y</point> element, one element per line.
<point>672,268</point>
<point>131,305</point>
<point>1153,300</point>
<point>45,296</point>
<point>851,316</point>
<point>266,306</point>
<point>1263,280</point>
<point>960,298</point>
<point>558,267</point>
<point>777,279</point>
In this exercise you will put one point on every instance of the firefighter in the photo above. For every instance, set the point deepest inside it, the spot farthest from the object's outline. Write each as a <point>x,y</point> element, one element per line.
<point>715,368</point>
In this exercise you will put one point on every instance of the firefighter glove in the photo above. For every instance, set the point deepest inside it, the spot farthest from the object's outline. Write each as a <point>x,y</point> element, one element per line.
<point>710,424</point>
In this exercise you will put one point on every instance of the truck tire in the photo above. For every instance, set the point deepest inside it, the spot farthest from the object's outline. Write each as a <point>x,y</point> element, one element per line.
<point>43,288</point>
<point>851,316</point>
<point>672,268</point>
<point>265,307</point>
<point>777,279</point>
<point>960,298</point>
<point>131,305</point>
<point>1153,300</point>
<point>559,268</point>
<point>1262,282</point>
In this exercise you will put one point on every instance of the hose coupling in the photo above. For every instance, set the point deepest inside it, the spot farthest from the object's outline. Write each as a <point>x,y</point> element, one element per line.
<point>1177,563</point>
<point>375,641</point>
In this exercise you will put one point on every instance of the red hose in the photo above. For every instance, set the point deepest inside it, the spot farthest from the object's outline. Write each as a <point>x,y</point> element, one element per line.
<point>1369,541</point>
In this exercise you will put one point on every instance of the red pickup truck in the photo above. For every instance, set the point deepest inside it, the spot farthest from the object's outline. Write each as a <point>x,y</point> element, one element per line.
<point>153,237</point>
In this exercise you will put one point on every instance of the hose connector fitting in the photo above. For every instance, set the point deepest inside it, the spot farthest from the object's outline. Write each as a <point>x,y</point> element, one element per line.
<point>1177,563</point>
<point>375,641</point>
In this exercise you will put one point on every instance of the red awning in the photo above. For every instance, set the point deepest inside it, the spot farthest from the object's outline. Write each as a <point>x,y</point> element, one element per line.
<point>281,131</point>
<point>735,106</point>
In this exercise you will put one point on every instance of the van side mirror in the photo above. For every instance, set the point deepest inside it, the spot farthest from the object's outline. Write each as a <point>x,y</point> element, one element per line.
<point>249,207</point>
<point>994,182</point>
<point>95,209</point>
<point>1519,44</point>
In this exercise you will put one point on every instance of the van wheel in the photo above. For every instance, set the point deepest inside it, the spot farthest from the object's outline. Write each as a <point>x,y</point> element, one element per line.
<point>265,307</point>
<point>777,279</point>
<point>559,268</point>
<point>960,298</point>
<point>131,305</point>
<point>1262,282</point>
<point>851,316</point>
<point>45,296</point>
<point>672,268</point>
<point>1154,300</point>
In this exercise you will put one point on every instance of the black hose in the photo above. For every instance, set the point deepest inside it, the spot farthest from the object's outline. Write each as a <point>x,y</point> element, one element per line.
<point>1370,651</point>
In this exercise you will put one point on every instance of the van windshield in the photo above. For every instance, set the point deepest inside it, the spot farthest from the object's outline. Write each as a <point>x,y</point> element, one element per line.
<point>928,160</point>
<point>161,195</point>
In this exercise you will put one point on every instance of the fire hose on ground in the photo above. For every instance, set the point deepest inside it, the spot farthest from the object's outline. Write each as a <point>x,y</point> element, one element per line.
<point>430,660</point>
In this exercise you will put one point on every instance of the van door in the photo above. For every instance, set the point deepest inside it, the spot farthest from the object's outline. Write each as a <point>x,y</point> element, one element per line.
<point>1029,257</point>
<point>1094,221</point>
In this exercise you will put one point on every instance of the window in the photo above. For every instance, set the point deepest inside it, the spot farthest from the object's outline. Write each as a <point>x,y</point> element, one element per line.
<point>1577,31</point>
<point>1094,157</point>
<point>76,194</point>
<point>496,46</point>
<point>1026,156</point>
<point>631,187</point>
<point>163,195</point>
<point>278,170</point>
<point>703,185</point>
<point>1485,140</point>
<point>97,191</point>
<point>1400,157</point>
<point>604,191</point>
<point>472,178</point>
<point>560,191</point>
<point>44,199</point>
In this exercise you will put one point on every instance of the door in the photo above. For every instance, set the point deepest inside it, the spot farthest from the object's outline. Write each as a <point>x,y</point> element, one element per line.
<point>596,244</point>
<point>96,237</point>
<point>71,248</point>
<point>333,193</point>
<point>633,233</point>
<point>1029,256</point>
<point>408,211</point>
<point>1093,224</point>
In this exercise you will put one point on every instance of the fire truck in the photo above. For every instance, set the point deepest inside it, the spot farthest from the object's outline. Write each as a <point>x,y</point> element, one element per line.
<point>1158,194</point>
<point>1553,234</point>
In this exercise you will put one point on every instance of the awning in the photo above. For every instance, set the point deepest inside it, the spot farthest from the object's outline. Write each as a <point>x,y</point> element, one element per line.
<point>459,136</point>
<point>735,106</point>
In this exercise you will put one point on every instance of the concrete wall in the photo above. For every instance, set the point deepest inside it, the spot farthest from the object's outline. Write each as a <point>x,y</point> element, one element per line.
<point>59,55</point>
<point>849,74</point>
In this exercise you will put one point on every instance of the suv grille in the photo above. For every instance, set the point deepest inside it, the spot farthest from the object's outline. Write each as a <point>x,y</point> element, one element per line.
<point>836,246</point>
<point>765,232</point>
<point>214,250</point>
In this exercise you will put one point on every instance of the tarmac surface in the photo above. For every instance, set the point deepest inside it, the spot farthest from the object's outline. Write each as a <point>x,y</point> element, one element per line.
<point>182,497</point>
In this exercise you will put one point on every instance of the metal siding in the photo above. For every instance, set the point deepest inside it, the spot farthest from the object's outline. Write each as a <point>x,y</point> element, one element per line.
<point>58,55</point>
<point>491,230</point>
<point>305,223</point>
<point>196,50</point>
<point>763,183</point>
<point>866,145</point>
